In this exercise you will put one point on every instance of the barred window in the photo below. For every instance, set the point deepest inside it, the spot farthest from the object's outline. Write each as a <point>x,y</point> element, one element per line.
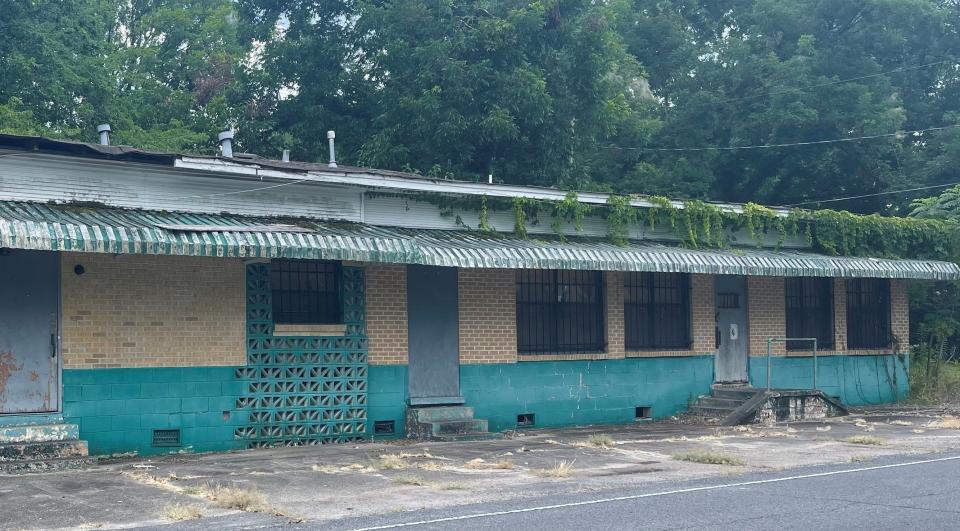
<point>809,302</point>
<point>868,313</point>
<point>305,291</point>
<point>657,311</point>
<point>559,311</point>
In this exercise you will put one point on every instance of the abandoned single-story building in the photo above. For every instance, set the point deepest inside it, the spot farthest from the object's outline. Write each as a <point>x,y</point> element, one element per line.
<point>156,302</point>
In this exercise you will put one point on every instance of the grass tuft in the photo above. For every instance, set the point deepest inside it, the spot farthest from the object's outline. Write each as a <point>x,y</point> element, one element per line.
<point>600,440</point>
<point>867,440</point>
<point>244,499</point>
<point>179,512</point>
<point>707,457</point>
<point>562,469</point>
<point>859,458</point>
<point>389,462</point>
<point>415,481</point>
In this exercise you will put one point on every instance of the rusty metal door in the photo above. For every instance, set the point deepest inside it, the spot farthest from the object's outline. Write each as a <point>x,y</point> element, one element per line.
<point>731,333</point>
<point>29,338</point>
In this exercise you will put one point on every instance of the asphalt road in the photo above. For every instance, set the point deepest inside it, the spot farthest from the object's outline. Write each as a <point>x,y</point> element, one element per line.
<point>906,492</point>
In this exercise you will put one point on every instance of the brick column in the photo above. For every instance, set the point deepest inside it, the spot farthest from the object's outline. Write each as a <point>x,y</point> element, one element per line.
<point>900,314</point>
<point>840,314</point>
<point>703,314</point>
<point>767,313</point>
<point>614,314</point>
<point>386,294</point>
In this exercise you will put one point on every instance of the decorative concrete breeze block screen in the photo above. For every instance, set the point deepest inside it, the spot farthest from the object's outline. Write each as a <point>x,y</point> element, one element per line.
<point>303,390</point>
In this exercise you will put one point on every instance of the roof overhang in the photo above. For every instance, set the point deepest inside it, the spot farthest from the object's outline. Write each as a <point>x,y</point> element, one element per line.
<point>109,230</point>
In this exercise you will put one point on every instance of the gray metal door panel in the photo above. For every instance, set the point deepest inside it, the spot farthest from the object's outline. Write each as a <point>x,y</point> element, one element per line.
<point>29,303</point>
<point>732,332</point>
<point>433,333</point>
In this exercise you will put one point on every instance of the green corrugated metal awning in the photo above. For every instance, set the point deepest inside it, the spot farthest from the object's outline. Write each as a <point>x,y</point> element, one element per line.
<point>109,230</point>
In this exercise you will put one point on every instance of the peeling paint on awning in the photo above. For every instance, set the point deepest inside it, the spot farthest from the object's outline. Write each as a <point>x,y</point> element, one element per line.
<point>111,230</point>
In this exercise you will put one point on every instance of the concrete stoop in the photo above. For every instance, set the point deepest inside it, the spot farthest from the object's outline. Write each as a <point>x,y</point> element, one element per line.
<point>41,447</point>
<point>446,423</point>
<point>730,406</point>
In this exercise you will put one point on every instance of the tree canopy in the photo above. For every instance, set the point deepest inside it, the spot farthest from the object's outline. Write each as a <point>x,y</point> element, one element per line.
<point>645,96</point>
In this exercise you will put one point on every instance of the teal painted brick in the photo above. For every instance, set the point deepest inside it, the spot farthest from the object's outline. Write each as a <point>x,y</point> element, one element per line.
<point>95,392</point>
<point>125,390</point>
<point>124,422</point>
<point>201,403</point>
<point>155,421</point>
<point>93,424</point>
<point>72,393</point>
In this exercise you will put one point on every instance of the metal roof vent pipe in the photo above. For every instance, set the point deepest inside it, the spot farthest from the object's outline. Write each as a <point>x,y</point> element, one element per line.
<point>286,155</point>
<point>226,143</point>
<point>333,154</point>
<point>104,131</point>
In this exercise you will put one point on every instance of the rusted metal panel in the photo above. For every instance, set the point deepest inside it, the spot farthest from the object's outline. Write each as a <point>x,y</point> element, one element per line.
<point>29,372</point>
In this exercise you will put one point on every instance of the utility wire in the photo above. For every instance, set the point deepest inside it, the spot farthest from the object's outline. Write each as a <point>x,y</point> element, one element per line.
<point>837,82</point>
<point>792,144</point>
<point>947,185</point>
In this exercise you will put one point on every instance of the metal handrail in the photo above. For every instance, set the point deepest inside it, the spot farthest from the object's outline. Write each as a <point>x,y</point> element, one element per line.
<point>770,341</point>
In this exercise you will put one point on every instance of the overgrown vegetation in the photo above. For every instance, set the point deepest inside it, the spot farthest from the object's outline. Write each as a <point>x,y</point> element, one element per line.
<point>865,440</point>
<point>180,512</point>
<point>707,457</point>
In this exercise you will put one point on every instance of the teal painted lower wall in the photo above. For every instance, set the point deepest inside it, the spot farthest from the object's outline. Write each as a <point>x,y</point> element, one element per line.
<point>118,409</point>
<point>558,393</point>
<point>857,380</point>
<point>567,393</point>
<point>387,398</point>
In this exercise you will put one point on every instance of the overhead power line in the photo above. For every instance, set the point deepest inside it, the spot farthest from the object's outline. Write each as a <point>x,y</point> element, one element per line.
<point>836,82</point>
<point>835,199</point>
<point>793,144</point>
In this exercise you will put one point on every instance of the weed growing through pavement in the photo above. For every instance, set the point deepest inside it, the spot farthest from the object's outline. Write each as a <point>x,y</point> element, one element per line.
<point>562,469</point>
<point>707,457</point>
<point>867,440</point>
<point>179,512</point>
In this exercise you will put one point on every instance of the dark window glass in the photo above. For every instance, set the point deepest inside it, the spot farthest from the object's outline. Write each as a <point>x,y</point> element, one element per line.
<point>656,310</point>
<point>305,291</point>
<point>868,313</point>
<point>809,311</point>
<point>559,311</point>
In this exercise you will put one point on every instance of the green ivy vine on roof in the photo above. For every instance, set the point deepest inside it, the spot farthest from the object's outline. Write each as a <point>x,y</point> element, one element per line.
<point>698,224</point>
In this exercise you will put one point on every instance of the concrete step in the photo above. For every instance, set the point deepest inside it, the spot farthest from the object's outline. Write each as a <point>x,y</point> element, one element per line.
<point>710,411</point>
<point>458,427</point>
<point>440,413</point>
<point>742,393</point>
<point>468,437</point>
<point>45,450</point>
<point>38,432</point>
<point>720,403</point>
<point>46,465</point>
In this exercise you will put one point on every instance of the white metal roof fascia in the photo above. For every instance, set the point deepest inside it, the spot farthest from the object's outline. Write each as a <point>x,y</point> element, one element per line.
<point>409,184</point>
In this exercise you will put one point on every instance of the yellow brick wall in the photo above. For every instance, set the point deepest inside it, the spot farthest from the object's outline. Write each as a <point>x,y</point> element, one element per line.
<point>386,306</point>
<point>616,339</point>
<point>488,315</point>
<point>839,315</point>
<point>900,315</point>
<point>152,311</point>
<point>767,313</point>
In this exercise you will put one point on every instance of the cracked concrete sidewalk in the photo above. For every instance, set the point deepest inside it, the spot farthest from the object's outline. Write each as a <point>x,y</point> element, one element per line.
<point>317,484</point>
